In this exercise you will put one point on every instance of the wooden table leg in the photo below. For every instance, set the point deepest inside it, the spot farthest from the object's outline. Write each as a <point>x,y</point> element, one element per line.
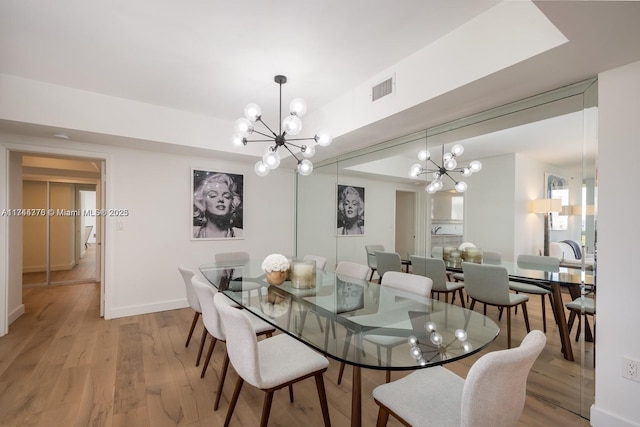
<point>561,320</point>
<point>356,398</point>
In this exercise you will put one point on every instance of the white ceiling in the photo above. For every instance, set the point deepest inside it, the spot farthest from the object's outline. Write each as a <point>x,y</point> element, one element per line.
<point>213,56</point>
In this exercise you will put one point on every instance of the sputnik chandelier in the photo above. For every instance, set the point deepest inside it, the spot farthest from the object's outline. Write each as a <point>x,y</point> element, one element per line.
<point>290,126</point>
<point>449,165</point>
<point>437,348</point>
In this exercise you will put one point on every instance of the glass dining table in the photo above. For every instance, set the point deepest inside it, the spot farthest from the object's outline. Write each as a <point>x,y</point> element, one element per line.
<point>356,318</point>
<point>576,281</point>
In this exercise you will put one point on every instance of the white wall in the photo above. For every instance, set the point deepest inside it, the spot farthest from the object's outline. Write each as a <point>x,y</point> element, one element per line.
<point>616,401</point>
<point>142,258</point>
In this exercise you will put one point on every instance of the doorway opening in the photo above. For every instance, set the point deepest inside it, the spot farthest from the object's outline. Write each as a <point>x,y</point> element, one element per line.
<point>405,243</point>
<point>60,243</point>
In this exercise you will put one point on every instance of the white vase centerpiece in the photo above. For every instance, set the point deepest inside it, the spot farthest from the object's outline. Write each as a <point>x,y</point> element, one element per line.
<point>276,268</point>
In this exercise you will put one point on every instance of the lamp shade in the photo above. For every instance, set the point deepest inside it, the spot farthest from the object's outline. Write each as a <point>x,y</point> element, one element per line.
<point>545,205</point>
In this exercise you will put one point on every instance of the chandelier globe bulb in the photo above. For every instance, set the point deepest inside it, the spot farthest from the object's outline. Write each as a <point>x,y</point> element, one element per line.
<point>308,151</point>
<point>305,167</point>
<point>461,186</point>
<point>271,159</point>
<point>292,125</point>
<point>261,169</point>
<point>243,126</point>
<point>450,164</point>
<point>252,112</point>
<point>457,150</point>
<point>298,107</point>
<point>238,140</point>
<point>323,138</point>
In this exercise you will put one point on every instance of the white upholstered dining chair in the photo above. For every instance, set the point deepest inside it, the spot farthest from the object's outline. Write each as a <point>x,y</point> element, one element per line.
<point>213,326</point>
<point>269,364</point>
<point>371,257</point>
<point>493,394</point>
<point>194,303</point>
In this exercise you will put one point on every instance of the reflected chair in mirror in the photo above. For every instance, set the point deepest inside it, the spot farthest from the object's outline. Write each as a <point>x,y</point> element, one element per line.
<point>490,257</point>
<point>396,280</point>
<point>194,303</point>
<point>269,364</point>
<point>238,258</point>
<point>321,262</point>
<point>489,285</point>
<point>535,262</point>
<point>235,261</point>
<point>435,269</point>
<point>387,261</point>
<point>579,307</point>
<point>493,394</point>
<point>371,257</point>
<point>213,326</point>
<point>347,273</point>
<point>437,252</point>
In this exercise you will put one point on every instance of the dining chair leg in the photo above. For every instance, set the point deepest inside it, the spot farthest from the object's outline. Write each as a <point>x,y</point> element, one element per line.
<point>223,375</point>
<point>291,393</point>
<point>234,400</point>
<point>322,395</point>
<point>508,327</point>
<point>196,315</point>
<point>208,358</point>
<point>202,340</point>
<point>388,376</point>
<point>526,316</point>
<point>461,298</point>
<point>383,417</point>
<point>266,408</point>
<point>544,314</point>
<point>345,350</point>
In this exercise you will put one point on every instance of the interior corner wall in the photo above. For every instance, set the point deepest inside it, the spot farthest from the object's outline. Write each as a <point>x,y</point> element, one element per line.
<point>616,402</point>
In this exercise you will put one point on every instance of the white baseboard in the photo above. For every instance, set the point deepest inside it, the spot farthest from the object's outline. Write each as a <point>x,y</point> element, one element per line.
<point>601,418</point>
<point>118,312</point>
<point>15,314</point>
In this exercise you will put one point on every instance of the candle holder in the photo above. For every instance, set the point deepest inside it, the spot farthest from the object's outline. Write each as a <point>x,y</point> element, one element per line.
<point>303,274</point>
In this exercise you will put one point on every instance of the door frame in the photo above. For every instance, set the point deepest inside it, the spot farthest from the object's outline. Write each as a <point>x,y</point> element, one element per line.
<point>29,148</point>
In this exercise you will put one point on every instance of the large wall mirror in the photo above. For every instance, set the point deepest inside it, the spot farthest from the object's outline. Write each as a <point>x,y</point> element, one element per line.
<point>522,147</point>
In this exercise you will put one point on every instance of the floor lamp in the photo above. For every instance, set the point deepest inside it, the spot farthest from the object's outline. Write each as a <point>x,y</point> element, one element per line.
<point>546,206</point>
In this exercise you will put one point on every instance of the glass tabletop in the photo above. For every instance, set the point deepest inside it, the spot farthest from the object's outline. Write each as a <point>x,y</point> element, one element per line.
<point>358,322</point>
<point>531,273</point>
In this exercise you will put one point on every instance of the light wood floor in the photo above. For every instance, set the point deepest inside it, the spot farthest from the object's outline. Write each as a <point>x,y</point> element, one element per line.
<point>62,365</point>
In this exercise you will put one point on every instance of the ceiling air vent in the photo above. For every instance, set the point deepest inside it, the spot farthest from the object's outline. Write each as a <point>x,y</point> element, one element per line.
<point>382,89</point>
